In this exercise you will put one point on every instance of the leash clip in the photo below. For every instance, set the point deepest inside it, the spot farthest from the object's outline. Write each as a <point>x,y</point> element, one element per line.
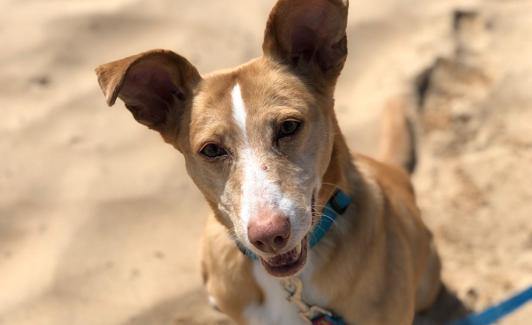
<point>294,288</point>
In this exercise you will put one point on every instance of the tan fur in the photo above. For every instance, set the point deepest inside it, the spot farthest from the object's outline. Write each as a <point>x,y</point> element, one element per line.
<point>398,134</point>
<point>235,287</point>
<point>379,253</point>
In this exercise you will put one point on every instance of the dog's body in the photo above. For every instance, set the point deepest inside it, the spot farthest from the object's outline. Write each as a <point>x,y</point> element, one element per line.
<point>262,143</point>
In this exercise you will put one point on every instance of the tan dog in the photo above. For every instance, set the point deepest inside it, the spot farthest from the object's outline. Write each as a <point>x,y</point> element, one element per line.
<point>262,143</point>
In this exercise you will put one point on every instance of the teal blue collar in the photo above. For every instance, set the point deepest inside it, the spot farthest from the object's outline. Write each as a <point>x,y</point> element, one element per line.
<point>337,205</point>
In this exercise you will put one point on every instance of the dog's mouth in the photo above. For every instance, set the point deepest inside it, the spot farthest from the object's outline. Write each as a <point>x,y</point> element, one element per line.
<point>289,263</point>
<point>293,261</point>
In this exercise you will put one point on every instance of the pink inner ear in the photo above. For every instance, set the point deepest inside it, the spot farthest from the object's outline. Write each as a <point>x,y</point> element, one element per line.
<point>312,28</point>
<point>303,43</point>
<point>149,91</point>
<point>149,77</point>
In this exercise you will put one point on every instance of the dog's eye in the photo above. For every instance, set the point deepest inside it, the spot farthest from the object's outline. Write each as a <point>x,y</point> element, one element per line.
<point>212,151</point>
<point>288,128</point>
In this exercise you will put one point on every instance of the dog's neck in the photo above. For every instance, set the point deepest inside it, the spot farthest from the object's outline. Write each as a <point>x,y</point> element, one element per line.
<point>341,173</point>
<point>361,218</point>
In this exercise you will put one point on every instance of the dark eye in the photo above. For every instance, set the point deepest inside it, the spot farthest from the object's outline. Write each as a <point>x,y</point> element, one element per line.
<point>212,151</point>
<point>288,128</point>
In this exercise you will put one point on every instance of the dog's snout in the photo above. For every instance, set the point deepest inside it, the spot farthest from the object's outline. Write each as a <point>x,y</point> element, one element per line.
<point>269,234</point>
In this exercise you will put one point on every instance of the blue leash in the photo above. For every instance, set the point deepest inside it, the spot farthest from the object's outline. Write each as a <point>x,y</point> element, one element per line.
<point>496,312</point>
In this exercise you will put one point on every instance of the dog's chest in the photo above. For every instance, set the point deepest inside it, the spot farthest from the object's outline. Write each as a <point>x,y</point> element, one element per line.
<point>275,308</point>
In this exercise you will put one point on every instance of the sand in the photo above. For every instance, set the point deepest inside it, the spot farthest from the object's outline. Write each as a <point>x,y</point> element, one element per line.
<point>99,223</point>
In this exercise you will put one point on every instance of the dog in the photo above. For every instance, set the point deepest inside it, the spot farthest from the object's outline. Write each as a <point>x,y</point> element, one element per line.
<point>302,231</point>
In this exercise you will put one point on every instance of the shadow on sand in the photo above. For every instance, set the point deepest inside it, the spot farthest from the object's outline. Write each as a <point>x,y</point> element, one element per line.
<point>190,308</point>
<point>447,308</point>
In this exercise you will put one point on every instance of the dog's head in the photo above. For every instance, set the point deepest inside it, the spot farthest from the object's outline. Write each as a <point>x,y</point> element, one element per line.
<point>257,139</point>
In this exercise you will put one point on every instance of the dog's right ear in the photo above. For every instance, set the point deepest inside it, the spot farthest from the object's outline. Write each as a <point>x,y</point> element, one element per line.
<point>156,86</point>
<point>309,36</point>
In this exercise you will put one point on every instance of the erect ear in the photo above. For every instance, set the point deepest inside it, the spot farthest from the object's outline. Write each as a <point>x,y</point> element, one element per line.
<point>156,86</point>
<point>309,35</point>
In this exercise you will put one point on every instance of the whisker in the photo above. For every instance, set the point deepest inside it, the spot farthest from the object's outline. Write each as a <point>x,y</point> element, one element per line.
<point>334,185</point>
<point>321,215</point>
<point>330,218</point>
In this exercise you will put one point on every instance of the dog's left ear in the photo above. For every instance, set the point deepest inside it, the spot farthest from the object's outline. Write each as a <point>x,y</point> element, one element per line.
<point>310,36</point>
<point>157,87</point>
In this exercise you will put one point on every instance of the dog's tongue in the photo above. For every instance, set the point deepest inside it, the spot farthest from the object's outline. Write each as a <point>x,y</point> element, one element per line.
<point>284,259</point>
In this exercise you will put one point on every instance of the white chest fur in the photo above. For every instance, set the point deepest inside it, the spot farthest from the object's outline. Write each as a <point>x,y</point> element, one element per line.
<point>275,308</point>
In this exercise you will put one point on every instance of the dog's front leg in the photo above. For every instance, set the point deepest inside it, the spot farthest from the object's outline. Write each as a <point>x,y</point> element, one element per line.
<point>227,273</point>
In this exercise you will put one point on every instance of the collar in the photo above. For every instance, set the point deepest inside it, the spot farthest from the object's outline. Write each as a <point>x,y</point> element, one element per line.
<point>337,205</point>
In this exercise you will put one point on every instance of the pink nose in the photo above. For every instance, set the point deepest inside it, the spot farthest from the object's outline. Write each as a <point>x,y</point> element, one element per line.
<point>269,234</point>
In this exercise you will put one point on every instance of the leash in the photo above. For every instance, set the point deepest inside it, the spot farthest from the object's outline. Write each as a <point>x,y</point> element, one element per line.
<point>314,315</point>
<point>499,311</point>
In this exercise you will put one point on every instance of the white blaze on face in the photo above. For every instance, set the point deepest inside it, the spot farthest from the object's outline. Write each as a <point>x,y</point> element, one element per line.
<point>258,191</point>
<point>239,110</point>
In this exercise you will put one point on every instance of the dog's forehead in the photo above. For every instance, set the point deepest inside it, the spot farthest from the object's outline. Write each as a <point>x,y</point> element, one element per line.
<point>262,87</point>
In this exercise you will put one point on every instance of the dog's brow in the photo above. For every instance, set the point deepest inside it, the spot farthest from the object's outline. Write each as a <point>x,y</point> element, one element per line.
<point>239,110</point>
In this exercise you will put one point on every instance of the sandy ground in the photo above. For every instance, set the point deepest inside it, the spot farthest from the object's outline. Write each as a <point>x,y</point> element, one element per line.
<point>99,223</point>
